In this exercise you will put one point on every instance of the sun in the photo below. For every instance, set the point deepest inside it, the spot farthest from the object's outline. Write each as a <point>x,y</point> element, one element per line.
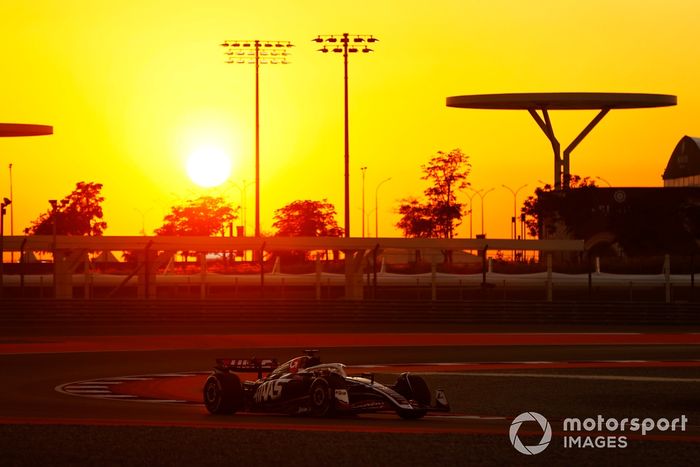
<point>208,167</point>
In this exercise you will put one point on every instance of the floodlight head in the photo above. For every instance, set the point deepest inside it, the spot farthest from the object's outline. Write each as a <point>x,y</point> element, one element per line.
<point>318,39</point>
<point>352,49</point>
<point>6,201</point>
<point>236,44</point>
<point>372,39</point>
<point>224,44</point>
<point>324,49</point>
<point>366,50</point>
<point>337,50</point>
<point>358,39</point>
<point>332,39</point>
<point>267,44</point>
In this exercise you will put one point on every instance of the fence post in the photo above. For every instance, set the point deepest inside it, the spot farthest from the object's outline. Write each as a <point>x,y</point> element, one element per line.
<point>692,277</point>
<point>202,275</point>
<point>667,277</point>
<point>549,277</point>
<point>318,276</point>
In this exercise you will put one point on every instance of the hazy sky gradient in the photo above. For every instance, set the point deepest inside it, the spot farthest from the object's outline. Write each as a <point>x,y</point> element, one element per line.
<point>133,87</point>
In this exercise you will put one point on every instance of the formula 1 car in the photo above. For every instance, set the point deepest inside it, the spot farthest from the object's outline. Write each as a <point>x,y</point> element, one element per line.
<point>305,386</point>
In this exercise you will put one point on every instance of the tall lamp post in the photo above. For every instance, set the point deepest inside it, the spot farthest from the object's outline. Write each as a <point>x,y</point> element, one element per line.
<point>346,48</point>
<point>364,172</point>
<point>248,52</point>
<point>376,207</point>
<point>5,202</point>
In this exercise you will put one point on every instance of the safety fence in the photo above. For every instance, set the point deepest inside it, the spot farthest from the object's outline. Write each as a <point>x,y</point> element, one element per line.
<point>172,312</point>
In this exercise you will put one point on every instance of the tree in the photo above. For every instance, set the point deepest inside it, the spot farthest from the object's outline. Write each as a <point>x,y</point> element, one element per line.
<point>205,216</point>
<point>306,218</point>
<point>546,210</point>
<point>79,213</point>
<point>440,213</point>
<point>416,219</point>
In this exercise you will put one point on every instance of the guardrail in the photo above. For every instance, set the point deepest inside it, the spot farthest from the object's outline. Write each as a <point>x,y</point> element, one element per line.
<point>120,312</point>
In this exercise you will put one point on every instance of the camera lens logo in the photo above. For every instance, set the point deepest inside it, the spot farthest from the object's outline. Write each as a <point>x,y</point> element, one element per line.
<point>530,417</point>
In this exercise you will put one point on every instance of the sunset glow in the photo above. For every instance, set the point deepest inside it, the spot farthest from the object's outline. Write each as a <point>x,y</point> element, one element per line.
<point>208,167</point>
<point>130,88</point>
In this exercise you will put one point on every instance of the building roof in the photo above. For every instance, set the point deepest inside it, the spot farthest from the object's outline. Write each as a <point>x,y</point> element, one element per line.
<point>685,159</point>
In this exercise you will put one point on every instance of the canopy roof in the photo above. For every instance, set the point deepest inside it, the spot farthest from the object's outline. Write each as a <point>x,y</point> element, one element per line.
<point>562,101</point>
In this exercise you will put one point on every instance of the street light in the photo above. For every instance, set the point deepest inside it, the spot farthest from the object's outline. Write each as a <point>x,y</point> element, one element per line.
<point>143,218</point>
<point>482,196</point>
<point>359,44</point>
<point>604,180</point>
<point>514,219</point>
<point>248,52</point>
<point>471,211</point>
<point>5,202</point>
<point>376,207</point>
<point>244,201</point>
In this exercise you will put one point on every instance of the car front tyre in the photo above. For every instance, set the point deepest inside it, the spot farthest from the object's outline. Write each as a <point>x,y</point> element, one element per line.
<point>320,398</point>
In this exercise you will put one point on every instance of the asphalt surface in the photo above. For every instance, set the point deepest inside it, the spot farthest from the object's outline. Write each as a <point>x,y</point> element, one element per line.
<point>613,380</point>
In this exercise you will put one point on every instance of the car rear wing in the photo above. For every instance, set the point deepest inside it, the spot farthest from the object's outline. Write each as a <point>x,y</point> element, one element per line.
<point>246,365</point>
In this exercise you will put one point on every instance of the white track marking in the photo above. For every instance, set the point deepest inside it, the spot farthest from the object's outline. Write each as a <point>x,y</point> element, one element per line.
<point>89,391</point>
<point>164,401</point>
<point>80,387</point>
<point>584,377</point>
<point>466,417</point>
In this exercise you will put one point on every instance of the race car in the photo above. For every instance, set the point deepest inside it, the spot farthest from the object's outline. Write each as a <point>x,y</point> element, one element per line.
<point>305,386</point>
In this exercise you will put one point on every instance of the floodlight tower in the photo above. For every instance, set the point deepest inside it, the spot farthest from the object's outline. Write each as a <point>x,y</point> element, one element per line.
<point>341,44</point>
<point>249,52</point>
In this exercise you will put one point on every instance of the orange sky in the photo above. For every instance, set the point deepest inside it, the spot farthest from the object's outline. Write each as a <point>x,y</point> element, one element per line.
<point>133,87</point>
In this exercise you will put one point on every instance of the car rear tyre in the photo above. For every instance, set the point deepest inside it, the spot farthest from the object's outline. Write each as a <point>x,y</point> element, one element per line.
<point>320,398</point>
<point>222,393</point>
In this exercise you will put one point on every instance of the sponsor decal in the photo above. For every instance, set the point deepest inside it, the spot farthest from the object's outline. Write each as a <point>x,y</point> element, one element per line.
<point>250,364</point>
<point>269,390</point>
<point>368,405</point>
<point>294,365</point>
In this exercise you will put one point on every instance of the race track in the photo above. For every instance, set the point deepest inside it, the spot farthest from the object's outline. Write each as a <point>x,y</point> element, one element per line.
<point>138,382</point>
